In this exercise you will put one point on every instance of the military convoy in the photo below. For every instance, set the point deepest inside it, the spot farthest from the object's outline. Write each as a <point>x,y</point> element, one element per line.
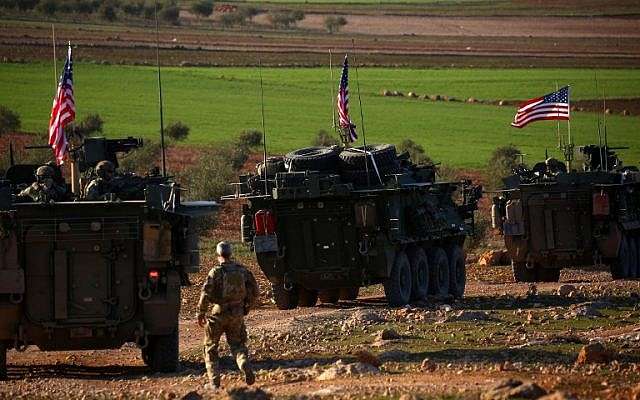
<point>554,218</point>
<point>95,274</point>
<point>326,221</point>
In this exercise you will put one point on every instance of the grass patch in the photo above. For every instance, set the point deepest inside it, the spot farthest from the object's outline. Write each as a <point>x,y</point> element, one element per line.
<point>217,103</point>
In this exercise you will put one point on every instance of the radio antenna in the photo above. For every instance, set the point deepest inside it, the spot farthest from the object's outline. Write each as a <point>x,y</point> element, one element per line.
<point>364,135</point>
<point>333,108</point>
<point>164,157</point>
<point>604,125</point>
<point>55,67</point>
<point>264,130</point>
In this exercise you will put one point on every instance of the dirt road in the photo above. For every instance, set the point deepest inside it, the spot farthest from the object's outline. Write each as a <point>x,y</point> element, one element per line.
<point>500,330</point>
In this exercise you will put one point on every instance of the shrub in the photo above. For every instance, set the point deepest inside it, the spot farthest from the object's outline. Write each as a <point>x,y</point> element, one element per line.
<point>149,11</point>
<point>91,124</point>
<point>250,138</point>
<point>248,12</point>
<point>8,4</point>
<point>142,159</point>
<point>9,120</point>
<point>177,131</point>
<point>503,160</point>
<point>209,177</point>
<point>416,152</point>
<point>170,13</point>
<point>47,7</point>
<point>323,138</point>
<point>25,5</point>
<point>202,8</point>
<point>333,24</point>
<point>285,19</point>
<point>84,6</point>
<point>133,8</point>
<point>230,19</point>
<point>108,11</point>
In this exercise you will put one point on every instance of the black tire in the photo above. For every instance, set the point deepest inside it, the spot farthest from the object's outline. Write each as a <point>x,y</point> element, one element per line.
<point>633,257</point>
<point>330,296</point>
<point>307,297</point>
<point>419,273</point>
<point>313,159</point>
<point>161,353</point>
<point>349,294</point>
<point>284,299</point>
<point>274,165</point>
<point>548,274</point>
<point>3,361</point>
<point>397,287</point>
<point>523,274</point>
<point>439,279</point>
<point>359,176</point>
<point>620,266</point>
<point>354,159</point>
<point>457,271</point>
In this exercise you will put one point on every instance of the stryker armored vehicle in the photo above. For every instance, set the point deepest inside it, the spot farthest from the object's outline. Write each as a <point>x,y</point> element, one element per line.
<point>552,218</point>
<point>325,221</point>
<point>95,274</point>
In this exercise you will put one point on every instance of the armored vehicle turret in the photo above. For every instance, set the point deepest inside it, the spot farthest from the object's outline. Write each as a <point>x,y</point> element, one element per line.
<point>554,218</point>
<point>95,274</point>
<point>325,221</point>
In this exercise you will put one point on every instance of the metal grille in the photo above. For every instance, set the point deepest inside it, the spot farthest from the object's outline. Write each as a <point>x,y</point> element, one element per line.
<point>80,229</point>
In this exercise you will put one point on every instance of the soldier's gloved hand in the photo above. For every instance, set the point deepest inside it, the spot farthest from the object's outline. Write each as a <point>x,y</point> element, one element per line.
<point>202,320</point>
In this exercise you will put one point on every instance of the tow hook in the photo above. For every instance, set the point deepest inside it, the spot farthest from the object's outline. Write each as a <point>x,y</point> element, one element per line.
<point>142,338</point>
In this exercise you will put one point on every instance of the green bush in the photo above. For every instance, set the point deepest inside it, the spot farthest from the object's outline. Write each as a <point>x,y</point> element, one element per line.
<point>26,5</point>
<point>333,24</point>
<point>501,164</point>
<point>170,13</point>
<point>133,8</point>
<point>230,19</point>
<point>47,7</point>
<point>250,138</point>
<point>285,19</point>
<point>202,8</point>
<point>9,120</point>
<point>416,152</point>
<point>177,131</point>
<point>323,138</point>
<point>8,4</point>
<point>84,6</point>
<point>149,11</point>
<point>143,159</point>
<point>209,177</point>
<point>248,12</point>
<point>108,11</point>
<point>90,125</point>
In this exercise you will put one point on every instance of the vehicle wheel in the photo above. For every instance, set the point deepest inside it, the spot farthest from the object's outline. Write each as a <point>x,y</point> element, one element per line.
<point>438,272</point>
<point>161,353</point>
<point>359,176</point>
<point>284,299</point>
<point>521,273</point>
<point>419,273</point>
<point>3,361</point>
<point>633,257</point>
<point>620,266</point>
<point>397,287</point>
<point>353,158</point>
<point>307,297</point>
<point>457,271</point>
<point>637,263</point>
<point>313,158</point>
<point>548,274</point>
<point>331,296</point>
<point>349,294</point>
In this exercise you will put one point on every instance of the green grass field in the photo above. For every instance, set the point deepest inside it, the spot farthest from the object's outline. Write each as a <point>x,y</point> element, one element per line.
<point>217,103</point>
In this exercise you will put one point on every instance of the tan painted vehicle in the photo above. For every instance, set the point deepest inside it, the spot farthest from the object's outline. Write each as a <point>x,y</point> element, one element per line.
<point>80,275</point>
<point>553,219</point>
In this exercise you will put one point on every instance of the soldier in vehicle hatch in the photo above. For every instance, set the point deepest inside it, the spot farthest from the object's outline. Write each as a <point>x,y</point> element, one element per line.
<point>232,291</point>
<point>103,185</point>
<point>44,189</point>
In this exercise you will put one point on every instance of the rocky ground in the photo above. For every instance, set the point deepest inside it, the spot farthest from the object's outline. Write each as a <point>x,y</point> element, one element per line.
<point>580,337</point>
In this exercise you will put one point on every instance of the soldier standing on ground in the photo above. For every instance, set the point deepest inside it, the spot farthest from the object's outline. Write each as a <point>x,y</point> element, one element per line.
<point>44,189</point>
<point>232,291</point>
<point>100,187</point>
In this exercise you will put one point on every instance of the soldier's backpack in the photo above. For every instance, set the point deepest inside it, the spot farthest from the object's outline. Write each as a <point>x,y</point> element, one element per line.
<point>233,285</point>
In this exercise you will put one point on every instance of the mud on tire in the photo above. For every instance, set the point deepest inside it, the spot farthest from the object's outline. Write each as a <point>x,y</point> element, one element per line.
<point>354,159</point>
<point>313,159</point>
<point>161,353</point>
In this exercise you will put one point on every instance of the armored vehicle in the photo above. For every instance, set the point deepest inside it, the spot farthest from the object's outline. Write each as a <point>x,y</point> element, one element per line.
<point>325,221</point>
<point>552,218</point>
<point>95,274</point>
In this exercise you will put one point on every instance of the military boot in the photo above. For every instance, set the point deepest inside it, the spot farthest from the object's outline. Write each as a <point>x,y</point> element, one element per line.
<point>249,377</point>
<point>213,385</point>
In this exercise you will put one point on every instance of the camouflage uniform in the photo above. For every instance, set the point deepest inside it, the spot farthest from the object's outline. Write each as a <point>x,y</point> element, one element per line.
<point>103,185</point>
<point>232,291</point>
<point>44,189</point>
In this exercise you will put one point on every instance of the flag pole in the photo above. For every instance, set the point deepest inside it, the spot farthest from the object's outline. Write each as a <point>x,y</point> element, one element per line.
<point>604,123</point>
<point>164,158</point>
<point>55,67</point>
<point>558,123</point>
<point>570,149</point>
<point>364,135</point>
<point>333,108</point>
<point>264,130</point>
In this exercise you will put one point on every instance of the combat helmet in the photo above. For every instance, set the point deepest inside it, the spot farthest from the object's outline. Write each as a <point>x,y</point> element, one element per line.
<point>44,172</point>
<point>105,167</point>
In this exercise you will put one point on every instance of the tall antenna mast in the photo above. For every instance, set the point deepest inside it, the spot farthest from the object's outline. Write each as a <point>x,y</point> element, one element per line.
<point>55,67</point>
<point>604,123</point>
<point>264,130</point>
<point>164,158</point>
<point>558,125</point>
<point>333,104</point>
<point>364,135</point>
<point>595,77</point>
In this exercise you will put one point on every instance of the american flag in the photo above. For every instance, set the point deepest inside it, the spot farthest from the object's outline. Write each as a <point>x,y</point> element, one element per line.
<point>551,106</point>
<point>63,111</point>
<point>343,104</point>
